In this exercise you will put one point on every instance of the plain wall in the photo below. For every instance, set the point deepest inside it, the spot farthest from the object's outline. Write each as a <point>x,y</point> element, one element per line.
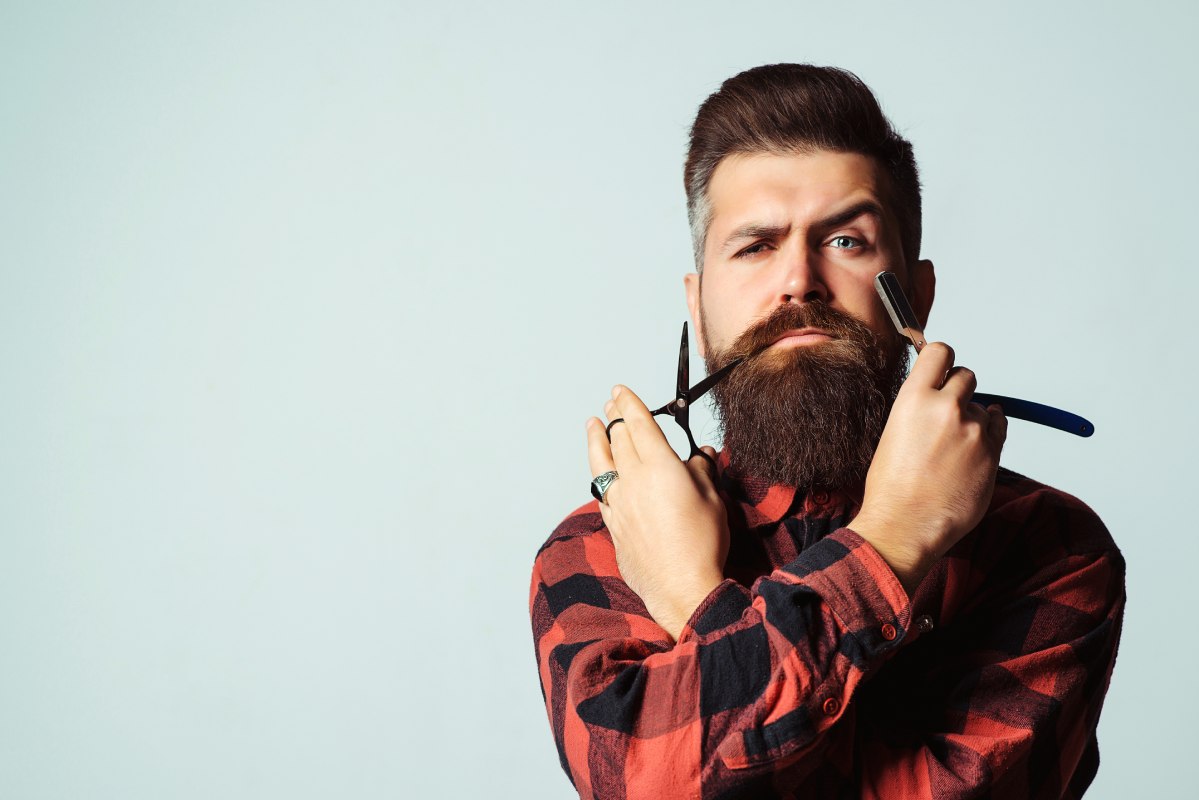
<point>303,307</point>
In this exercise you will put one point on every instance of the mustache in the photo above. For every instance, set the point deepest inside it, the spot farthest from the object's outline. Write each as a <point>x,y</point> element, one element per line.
<point>788,317</point>
<point>812,416</point>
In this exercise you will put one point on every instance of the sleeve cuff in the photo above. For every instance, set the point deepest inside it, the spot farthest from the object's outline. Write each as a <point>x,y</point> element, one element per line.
<point>859,586</point>
<point>849,575</point>
<point>723,606</point>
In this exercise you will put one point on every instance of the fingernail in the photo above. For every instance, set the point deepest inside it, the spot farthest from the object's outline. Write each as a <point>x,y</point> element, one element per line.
<point>616,391</point>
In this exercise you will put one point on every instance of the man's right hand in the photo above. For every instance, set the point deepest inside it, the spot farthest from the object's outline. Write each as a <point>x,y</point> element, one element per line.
<point>933,474</point>
<point>668,524</point>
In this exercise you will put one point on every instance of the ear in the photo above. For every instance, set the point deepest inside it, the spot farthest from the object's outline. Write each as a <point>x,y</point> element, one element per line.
<point>691,285</point>
<point>923,289</point>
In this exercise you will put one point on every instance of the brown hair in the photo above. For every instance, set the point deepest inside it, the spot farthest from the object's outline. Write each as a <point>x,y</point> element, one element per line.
<point>788,108</point>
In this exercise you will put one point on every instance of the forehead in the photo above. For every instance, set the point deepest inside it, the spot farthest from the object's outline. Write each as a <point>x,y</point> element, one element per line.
<point>772,187</point>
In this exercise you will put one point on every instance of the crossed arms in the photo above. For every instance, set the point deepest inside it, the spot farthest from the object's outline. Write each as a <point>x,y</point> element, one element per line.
<point>816,680</point>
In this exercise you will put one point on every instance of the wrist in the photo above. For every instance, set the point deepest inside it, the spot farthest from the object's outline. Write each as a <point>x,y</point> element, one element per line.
<point>674,610</point>
<point>900,549</point>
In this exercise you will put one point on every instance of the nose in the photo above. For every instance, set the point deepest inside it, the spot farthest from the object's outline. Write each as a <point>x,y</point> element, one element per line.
<point>801,280</point>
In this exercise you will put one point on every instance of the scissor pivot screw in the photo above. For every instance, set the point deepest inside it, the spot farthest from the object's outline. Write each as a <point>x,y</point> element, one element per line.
<point>681,403</point>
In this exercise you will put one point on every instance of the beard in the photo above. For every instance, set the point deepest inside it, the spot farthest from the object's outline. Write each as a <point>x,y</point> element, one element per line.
<point>809,416</point>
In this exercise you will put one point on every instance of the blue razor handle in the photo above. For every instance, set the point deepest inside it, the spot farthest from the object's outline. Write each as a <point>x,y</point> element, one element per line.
<point>1038,413</point>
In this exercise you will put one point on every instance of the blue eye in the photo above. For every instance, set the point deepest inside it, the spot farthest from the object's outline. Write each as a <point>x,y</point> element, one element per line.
<point>844,242</point>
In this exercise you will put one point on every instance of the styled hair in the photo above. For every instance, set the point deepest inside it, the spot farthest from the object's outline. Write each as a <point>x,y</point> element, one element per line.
<point>798,108</point>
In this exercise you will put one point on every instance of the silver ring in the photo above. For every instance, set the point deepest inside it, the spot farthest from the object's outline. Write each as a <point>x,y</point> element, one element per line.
<point>608,430</point>
<point>599,486</point>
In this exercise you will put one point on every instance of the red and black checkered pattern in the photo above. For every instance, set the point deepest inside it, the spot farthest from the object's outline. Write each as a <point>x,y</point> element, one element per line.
<point>809,673</point>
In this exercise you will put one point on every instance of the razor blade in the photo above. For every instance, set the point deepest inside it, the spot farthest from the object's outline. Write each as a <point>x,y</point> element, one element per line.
<point>899,308</point>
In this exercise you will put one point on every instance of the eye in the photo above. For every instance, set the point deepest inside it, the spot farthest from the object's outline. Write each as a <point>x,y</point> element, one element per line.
<point>752,250</point>
<point>844,242</point>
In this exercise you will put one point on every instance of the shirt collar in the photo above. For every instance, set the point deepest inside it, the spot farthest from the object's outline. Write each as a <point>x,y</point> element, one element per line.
<point>759,502</point>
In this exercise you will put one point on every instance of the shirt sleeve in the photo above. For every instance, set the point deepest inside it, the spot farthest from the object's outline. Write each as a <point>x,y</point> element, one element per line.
<point>777,691</point>
<point>1013,707</point>
<point>757,677</point>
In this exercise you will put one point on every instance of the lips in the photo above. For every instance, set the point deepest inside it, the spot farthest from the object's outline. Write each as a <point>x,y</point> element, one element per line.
<point>802,336</point>
<point>791,326</point>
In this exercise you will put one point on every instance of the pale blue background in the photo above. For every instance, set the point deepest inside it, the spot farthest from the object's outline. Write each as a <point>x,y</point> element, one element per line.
<point>303,306</point>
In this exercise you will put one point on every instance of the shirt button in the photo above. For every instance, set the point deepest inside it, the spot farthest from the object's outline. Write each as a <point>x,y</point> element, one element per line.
<point>889,632</point>
<point>925,623</point>
<point>831,706</point>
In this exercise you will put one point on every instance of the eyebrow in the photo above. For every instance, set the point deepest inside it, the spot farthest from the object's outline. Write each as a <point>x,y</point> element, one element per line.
<point>754,230</point>
<point>757,230</point>
<point>868,207</point>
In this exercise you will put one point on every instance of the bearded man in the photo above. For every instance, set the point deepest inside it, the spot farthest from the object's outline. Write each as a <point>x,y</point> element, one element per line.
<point>853,599</point>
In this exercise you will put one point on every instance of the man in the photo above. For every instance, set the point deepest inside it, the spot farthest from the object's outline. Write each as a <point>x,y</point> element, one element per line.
<point>856,601</point>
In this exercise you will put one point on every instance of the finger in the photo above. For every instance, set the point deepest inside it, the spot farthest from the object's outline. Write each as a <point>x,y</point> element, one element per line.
<point>997,429</point>
<point>703,466</point>
<point>606,516</point>
<point>934,361</point>
<point>643,431</point>
<point>599,456</point>
<point>623,447</point>
<point>960,381</point>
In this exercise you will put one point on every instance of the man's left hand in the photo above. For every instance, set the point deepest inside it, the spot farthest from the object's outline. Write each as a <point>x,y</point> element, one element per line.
<point>667,521</point>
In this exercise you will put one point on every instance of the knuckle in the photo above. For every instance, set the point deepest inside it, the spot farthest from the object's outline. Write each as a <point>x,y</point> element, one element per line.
<point>942,348</point>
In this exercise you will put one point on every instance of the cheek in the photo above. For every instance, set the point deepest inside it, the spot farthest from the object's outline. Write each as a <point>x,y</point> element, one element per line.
<point>875,316</point>
<point>863,302</point>
<point>718,330</point>
<point>726,312</point>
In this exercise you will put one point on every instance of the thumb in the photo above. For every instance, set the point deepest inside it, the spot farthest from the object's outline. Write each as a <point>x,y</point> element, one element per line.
<point>704,466</point>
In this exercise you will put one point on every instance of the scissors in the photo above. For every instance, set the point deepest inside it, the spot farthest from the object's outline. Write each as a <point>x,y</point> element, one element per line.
<point>891,293</point>
<point>680,406</point>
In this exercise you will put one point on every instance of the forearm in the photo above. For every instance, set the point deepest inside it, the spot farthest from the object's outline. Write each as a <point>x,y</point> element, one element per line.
<point>672,606</point>
<point>620,695</point>
<point>1016,715</point>
<point>906,555</point>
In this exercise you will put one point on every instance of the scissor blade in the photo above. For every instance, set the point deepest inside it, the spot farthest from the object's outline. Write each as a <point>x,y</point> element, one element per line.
<point>898,307</point>
<point>680,385</point>
<point>700,389</point>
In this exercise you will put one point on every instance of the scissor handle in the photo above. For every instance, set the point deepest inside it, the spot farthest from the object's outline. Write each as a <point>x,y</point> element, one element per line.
<point>670,410</point>
<point>1037,412</point>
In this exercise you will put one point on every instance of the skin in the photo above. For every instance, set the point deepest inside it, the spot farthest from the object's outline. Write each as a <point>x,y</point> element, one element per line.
<point>793,229</point>
<point>809,256</point>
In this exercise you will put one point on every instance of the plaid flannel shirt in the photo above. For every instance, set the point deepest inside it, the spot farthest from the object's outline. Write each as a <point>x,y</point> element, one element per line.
<point>824,679</point>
